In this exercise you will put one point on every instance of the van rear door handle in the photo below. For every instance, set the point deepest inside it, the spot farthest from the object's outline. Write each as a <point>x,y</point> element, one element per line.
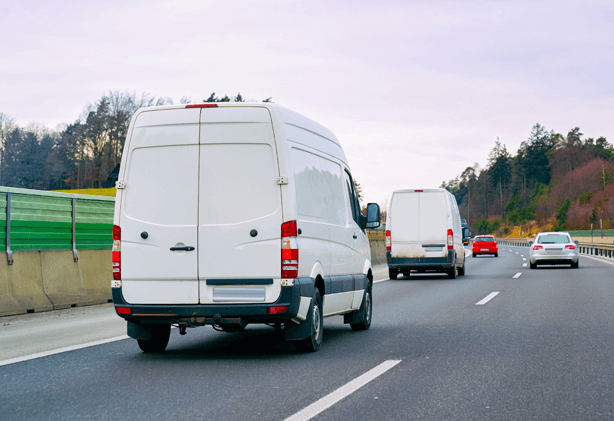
<point>187,248</point>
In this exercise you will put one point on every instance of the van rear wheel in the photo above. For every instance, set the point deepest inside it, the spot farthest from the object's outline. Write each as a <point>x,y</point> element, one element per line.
<point>314,341</point>
<point>159,339</point>
<point>367,305</point>
<point>392,273</point>
<point>452,272</point>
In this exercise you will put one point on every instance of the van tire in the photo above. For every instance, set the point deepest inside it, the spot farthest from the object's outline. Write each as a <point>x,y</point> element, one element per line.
<point>314,341</point>
<point>159,339</point>
<point>496,254</point>
<point>452,272</point>
<point>367,306</point>
<point>461,270</point>
<point>392,273</point>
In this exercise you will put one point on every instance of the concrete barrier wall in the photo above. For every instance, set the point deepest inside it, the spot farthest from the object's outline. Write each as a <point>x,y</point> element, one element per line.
<point>51,280</point>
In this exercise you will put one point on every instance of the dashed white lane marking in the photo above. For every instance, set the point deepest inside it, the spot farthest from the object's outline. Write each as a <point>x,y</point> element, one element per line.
<point>524,258</point>
<point>344,391</point>
<point>60,350</point>
<point>487,298</point>
<point>516,252</point>
<point>524,265</point>
<point>517,275</point>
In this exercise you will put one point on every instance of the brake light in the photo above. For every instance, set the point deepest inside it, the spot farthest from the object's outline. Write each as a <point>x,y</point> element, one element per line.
<point>538,247</point>
<point>123,310</point>
<point>207,105</point>
<point>418,191</point>
<point>277,309</point>
<point>116,253</point>
<point>289,250</point>
<point>388,241</point>
<point>450,240</point>
<point>570,247</point>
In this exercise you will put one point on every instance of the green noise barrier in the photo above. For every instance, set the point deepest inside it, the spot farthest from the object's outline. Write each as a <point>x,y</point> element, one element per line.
<point>42,220</point>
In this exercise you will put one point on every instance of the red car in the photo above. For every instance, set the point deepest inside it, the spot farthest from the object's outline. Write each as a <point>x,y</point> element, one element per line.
<point>485,244</point>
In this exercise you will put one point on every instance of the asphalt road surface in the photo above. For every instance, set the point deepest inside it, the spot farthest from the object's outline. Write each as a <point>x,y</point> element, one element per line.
<point>503,342</point>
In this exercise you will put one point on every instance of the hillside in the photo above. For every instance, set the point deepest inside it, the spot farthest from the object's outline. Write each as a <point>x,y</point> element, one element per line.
<point>552,182</point>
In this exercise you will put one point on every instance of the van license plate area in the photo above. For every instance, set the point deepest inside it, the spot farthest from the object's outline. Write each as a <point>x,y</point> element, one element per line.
<point>239,294</point>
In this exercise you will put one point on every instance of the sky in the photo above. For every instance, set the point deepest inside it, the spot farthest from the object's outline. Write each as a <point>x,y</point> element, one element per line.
<point>415,91</point>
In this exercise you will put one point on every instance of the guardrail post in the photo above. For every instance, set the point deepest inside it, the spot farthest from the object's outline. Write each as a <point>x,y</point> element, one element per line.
<point>75,254</point>
<point>9,252</point>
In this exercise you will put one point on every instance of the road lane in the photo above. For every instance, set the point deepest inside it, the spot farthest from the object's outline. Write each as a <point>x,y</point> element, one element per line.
<point>542,349</point>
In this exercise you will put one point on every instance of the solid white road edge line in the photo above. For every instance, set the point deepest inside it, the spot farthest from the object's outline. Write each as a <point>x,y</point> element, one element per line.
<point>60,350</point>
<point>487,298</point>
<point>517,275</point>
<point>597,259</point>
<point>344,391</point>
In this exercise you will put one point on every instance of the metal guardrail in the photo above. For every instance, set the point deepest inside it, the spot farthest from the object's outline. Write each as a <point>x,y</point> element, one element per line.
<point>591,249</point>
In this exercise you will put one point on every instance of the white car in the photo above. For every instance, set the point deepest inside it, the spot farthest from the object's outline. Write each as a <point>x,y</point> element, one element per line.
<point>554,248</point>
<point>236,213</point>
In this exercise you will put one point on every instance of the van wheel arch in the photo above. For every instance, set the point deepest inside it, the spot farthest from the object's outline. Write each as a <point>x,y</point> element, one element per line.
<point>319,284</point>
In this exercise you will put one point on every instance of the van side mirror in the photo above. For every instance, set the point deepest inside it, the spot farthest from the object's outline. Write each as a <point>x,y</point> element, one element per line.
<point>577,242</point>
<point>373,216</point>
<point>530,243</point>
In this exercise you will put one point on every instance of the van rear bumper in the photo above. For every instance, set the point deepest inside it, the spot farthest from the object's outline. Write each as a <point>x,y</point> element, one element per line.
<point>422,262</point>
<point>202,314</point>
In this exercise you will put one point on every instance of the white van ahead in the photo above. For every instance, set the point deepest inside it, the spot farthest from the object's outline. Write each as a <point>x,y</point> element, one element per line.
<point>228,214</point>
<point>423,233</point>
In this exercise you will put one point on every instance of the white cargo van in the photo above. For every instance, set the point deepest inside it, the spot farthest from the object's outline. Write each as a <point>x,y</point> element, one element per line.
<point>235,213</point>
<point>423,233</point>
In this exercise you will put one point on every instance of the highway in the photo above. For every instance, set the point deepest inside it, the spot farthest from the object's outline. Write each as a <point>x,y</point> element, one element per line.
<point>502,343</point>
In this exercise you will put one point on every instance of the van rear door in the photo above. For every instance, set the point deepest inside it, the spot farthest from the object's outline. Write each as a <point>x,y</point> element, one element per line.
<point>420,224</point>
<point>240,212</point>
<point>159,208</point>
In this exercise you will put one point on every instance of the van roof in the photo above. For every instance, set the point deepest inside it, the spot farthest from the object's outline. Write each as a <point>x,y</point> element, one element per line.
<point>286,115</point>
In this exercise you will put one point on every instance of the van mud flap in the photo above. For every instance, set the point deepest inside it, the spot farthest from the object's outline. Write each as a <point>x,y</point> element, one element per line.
<point>138,331</point>
<point>296,332</point>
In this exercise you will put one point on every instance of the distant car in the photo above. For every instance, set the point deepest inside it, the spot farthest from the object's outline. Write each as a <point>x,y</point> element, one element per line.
<point>554,248</point>
<point>485,244</point>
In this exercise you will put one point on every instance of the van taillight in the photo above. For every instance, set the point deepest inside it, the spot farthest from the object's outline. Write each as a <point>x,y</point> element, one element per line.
<point>289,250</point>
<point>206,105</point>
<point>388,241</point>
<point>117,253</point>
<point>450,240</point>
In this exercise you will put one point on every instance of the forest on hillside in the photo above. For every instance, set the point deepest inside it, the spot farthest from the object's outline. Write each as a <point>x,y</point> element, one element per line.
<point>80,155</point>
<point>554,181</point>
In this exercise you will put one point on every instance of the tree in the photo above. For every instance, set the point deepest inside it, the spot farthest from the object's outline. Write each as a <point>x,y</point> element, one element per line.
<point>7,124</point>
<point>358,190</point>
<point>212,98</point>
<point>500,165</point>
<point>25,159</point>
